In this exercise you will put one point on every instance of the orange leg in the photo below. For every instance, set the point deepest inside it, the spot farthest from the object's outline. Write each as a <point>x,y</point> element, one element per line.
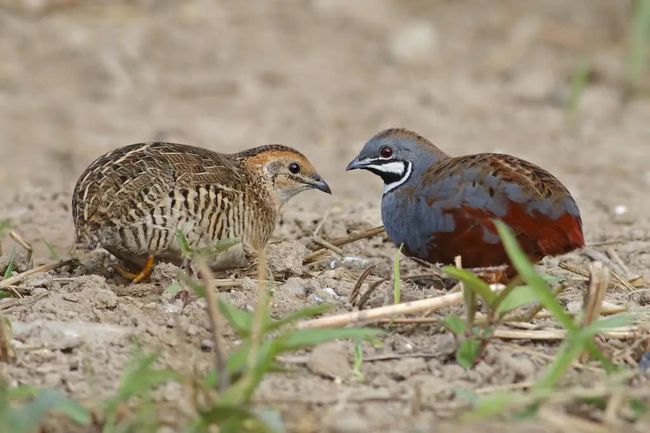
<point>143,274</point>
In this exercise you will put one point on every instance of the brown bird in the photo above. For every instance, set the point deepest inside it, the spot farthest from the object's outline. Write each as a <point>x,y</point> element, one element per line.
<point>133,200</point>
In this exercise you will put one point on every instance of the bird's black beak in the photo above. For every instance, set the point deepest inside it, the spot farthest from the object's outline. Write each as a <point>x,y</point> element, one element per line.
<point>321,185</point>
<point>356,164</point>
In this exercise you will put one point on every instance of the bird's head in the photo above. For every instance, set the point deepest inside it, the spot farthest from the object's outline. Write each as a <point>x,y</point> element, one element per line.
<point>287,171</point>
<point>395,155</point>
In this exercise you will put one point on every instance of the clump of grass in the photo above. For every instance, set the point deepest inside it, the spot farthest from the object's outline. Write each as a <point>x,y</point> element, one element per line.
<point>638,45</point>
<point>8,272</point>
<point>24,408</point>
<point>263,340</point>
<point>579,339</point>
<point>5,225</point>
<point>226,394</point>
<point>579,81</point>
<point>358,361</point>
<point>131,408</point>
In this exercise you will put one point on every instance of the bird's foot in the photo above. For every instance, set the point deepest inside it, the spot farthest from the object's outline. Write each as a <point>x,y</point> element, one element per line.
<point>140,276</point>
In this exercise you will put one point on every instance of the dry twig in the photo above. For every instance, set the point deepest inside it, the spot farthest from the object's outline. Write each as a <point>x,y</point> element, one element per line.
<point>23,243</point>
<point>37,270</point>
<point>357,286</point>
<point>339,242</point>
<point>388,311</point>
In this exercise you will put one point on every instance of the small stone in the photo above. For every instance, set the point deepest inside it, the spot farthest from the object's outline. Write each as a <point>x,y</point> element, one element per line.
<point>523,368</point>
<point>329,360</point>
<point>644,362</point>
<point>207,345</point>
<point>414,42</point>
<point>295,286</point>
<point>407,367</point>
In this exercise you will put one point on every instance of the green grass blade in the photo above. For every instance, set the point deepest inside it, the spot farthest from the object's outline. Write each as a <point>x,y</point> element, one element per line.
<point>518,297</point>
<point>240,320</point>
<point>472,281</point>
<point>10,265</point>
<point>639,44</point>
<point>532,278</point>
<point>455,324</point>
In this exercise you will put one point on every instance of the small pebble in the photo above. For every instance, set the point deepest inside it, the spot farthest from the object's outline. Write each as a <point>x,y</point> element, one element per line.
<point>207,345</point>
<point>644,362</point>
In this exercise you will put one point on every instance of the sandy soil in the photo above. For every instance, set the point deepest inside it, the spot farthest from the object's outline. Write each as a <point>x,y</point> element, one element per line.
<point>80,78</point>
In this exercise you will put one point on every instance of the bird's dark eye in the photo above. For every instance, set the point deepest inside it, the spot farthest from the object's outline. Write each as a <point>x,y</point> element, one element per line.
<point>386,152</point>
<point>294,168</point>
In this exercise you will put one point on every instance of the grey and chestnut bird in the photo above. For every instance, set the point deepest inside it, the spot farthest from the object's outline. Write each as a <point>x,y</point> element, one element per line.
<point>133,200</point>
<point>439,207</point>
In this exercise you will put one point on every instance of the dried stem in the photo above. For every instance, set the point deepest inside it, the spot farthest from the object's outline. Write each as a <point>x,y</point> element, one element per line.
<point>357,286</point>
<point>339,242</point>
<point>388,311</point>
<point>23,243</point>
<point>37,270</point>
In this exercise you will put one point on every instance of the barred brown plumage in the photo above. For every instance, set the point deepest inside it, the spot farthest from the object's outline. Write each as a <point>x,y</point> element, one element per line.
<point>132,200</point>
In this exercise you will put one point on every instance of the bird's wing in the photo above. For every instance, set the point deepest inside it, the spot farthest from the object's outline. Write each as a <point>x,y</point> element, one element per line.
<point>457,200</point>
<point>132,180</point>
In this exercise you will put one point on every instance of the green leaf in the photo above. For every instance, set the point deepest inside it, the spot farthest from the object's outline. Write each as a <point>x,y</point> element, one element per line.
<point>608,322</point>
<point>54,254</point>
<point>221,245</point>
<point>186,250</point>
<point>467,352</point>
<point>455,324</point>
<point>240,320</point>
<point>526,270</point>
<point>5,224</point>
<point>518,297</point>
<point>472,282</point>
<point>10,265</point>
<point>27,418</point>
<point>173,288</point>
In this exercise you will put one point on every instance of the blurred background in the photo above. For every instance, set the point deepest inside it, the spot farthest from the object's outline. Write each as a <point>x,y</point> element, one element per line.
<point>563,84</point>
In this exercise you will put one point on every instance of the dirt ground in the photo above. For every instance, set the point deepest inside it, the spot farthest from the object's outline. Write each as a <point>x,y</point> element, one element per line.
<point>78,78</point>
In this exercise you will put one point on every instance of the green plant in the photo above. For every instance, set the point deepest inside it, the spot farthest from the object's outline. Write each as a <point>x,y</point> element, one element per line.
<point>24,408</point>
<point>54,254</point>
<point>208,251</point>
<point>579,81</point>
<point>358,361</point>
<point>579,339</point>
<point>231,409</point>
<point>5,225</point>
<point>141,377</point>
<point>639,45</point>
<point>8,272</point>
<point>514,296</point>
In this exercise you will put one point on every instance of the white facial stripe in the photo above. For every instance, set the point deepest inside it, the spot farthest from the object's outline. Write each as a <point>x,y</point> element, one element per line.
<point>395,167</point>
<point>406,171</point>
